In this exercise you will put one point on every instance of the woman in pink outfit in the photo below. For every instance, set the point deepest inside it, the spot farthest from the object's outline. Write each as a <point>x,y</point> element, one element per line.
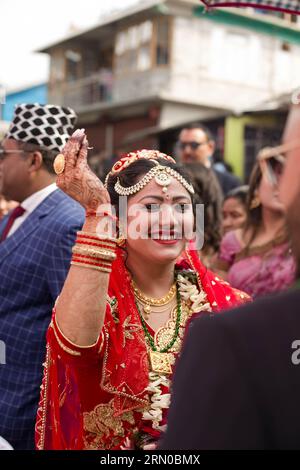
<point>257,258</point>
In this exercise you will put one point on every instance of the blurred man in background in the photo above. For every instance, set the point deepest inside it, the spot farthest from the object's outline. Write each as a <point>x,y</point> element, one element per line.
<point>196,144</point>
<point>35,250</point>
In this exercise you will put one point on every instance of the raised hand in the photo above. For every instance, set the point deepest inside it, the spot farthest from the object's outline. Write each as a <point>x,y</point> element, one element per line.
<point>77,179</point>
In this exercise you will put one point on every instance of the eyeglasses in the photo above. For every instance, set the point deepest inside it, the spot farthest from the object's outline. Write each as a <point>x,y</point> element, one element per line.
<point>274,168</point>
<point>272,163</point>
<point>194,145</point>
<point>280,150</point>
<point>4,152</point>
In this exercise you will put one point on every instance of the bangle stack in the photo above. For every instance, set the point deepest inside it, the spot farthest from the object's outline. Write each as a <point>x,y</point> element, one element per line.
<point>92,251</point>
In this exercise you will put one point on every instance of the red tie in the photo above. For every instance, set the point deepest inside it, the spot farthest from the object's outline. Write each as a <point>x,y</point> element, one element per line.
<point>17,212</point>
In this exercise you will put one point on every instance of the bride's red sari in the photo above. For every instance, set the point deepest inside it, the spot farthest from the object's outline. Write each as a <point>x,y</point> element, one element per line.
<point>96,397</point>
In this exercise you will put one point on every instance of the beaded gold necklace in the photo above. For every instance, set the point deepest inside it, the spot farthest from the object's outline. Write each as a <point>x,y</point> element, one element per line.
<point>159,359</point>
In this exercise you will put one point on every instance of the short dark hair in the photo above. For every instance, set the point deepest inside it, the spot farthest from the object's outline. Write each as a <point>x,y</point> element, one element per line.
<point>240,193</point>
<point>202,127</point>
<point>48,155</point>
<point>207,192</point>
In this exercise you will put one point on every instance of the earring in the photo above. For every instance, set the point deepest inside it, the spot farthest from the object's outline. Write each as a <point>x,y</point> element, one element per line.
<point>255,203</point>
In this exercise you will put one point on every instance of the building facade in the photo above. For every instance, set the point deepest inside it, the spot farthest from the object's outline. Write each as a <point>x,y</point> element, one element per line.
<point>139,75</point>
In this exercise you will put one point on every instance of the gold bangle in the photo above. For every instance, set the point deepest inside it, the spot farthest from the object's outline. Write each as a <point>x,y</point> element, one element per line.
<point>97,268</point>
<point>93,261</point>
<point>100,254</point>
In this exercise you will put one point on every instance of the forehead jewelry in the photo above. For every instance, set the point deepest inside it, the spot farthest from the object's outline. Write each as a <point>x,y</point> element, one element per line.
<point>161,174</point>
<point>132,157</point>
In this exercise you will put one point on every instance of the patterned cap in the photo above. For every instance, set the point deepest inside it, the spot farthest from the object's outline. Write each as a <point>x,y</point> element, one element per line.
<point>47,125</point>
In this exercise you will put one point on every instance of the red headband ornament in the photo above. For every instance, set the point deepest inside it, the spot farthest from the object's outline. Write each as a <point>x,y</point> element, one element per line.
<point>131,157</point>
<point>286,6</point>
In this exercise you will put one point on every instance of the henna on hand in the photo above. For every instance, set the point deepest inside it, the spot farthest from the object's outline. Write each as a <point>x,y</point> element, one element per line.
<point>78,180</point>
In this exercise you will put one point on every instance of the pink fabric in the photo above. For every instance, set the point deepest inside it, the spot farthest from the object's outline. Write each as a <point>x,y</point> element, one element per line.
<point>259,274</point>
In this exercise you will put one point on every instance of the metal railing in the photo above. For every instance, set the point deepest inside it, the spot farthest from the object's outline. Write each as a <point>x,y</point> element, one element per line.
<point>96,88</point>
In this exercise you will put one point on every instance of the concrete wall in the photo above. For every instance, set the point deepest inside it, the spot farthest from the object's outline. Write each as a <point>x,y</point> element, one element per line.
<point>228,66</point>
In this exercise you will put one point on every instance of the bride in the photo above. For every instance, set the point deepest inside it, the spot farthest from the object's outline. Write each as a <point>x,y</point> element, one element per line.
<point>119,322</point>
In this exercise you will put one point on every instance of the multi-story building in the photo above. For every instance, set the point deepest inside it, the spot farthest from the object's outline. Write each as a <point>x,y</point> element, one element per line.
<point>140,74</point>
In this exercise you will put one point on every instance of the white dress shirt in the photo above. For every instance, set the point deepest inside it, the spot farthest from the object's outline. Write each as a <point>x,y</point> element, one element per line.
<point>30,204</point>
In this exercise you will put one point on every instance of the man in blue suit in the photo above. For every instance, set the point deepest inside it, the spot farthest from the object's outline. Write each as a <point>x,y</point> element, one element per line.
<point>35,251</point>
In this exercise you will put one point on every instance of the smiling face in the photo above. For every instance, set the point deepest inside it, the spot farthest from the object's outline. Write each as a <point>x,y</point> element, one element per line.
<point>159,223</point>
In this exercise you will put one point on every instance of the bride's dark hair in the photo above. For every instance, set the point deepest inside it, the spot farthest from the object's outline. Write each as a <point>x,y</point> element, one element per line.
<point>134,172</point>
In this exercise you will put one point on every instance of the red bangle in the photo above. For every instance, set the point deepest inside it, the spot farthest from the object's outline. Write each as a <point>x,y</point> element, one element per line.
<point>95,242</point>
<point>82,235</point>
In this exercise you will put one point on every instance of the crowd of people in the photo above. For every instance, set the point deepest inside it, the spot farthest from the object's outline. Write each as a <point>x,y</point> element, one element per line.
<point>96,302</point>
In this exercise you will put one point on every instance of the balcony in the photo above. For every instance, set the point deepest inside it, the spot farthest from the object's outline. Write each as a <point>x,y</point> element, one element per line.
<point>78,94</point>
<point>104,88</point>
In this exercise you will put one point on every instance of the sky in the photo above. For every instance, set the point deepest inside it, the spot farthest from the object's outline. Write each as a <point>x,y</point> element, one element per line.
<point>28,25</point>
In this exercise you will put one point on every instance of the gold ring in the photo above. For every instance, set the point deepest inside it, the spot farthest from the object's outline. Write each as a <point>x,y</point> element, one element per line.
<point>59,164</point>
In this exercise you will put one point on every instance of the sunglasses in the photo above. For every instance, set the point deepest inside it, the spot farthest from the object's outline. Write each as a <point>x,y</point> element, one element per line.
<point>194,145</point>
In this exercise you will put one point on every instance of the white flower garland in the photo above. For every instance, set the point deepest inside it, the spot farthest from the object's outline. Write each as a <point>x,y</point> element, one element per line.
<point>159,401</point>
<point>197,302</point>
<point>191,294</point>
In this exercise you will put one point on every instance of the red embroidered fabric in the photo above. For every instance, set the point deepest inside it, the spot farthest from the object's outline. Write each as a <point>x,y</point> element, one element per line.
<point>94,397</point>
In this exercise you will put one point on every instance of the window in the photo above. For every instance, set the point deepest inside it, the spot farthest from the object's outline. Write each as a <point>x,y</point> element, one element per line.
<point>73,65</point>
<point>162,41</point>
<point>142,46</point>
<point>57,67</point>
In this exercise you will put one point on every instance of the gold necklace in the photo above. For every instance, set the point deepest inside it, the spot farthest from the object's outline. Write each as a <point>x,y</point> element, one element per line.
<point>154,309</point>
<point>149,302</point>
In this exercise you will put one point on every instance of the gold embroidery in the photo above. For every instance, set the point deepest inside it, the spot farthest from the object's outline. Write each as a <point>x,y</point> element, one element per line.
<point>65,348</point>
<point>63,394</point>
<point>105,379</point>
<point>129,329</point>
<point>40,426</point>
<point>100,423</point>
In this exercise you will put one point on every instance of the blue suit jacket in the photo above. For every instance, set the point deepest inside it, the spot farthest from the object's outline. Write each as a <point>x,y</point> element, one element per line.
<point>34,262</point>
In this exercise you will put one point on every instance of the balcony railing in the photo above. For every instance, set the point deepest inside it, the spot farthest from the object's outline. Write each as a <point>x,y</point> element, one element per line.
<point>96,88</point>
